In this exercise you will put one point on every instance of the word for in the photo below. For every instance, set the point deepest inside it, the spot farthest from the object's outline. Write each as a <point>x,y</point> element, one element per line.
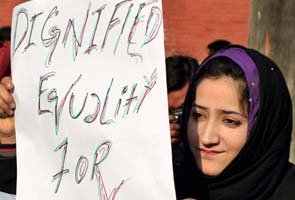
<point>100,154</point>
<point>52,35</point>
<point>123,105</point>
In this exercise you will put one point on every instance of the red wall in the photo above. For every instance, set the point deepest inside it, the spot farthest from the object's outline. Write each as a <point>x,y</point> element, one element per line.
<point>6,7</point>
<point>189,25</point>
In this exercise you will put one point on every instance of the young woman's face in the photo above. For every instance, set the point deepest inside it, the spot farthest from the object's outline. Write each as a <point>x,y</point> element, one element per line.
<point>217,127</point>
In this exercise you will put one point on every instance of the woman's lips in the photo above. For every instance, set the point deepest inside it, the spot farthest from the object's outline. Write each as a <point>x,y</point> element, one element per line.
<point>209,153</point>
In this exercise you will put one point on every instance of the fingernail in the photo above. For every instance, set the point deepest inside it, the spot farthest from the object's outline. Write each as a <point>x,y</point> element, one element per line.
<point>12,106</point>
<point>10,112</point>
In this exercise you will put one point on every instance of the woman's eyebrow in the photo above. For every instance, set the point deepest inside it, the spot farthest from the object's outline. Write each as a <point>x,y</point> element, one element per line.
<point>230,112</point>
<point>222,110</point>
<point>199,106</point>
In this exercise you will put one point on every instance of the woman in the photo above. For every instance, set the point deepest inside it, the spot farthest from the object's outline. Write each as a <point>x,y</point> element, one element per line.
<point>237,124</point>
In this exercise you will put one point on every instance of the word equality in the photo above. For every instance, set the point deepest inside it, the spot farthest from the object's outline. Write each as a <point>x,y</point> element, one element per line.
<point>124,104</point>
<point>147,22</point>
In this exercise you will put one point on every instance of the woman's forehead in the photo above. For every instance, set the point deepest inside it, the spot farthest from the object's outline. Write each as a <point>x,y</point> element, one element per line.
<point>222,93</point>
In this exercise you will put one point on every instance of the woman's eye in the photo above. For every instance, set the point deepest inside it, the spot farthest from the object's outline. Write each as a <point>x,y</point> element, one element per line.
<point>232,123</point>
<point>196,115</point>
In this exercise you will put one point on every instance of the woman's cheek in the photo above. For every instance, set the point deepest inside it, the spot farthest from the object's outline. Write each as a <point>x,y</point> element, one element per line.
<point>192,135</point>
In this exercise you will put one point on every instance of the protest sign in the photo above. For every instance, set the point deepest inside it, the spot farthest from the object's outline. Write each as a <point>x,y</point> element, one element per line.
<point>92,112</point>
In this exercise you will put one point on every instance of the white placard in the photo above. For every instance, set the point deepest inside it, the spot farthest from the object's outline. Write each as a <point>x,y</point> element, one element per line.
<point>92,112</point>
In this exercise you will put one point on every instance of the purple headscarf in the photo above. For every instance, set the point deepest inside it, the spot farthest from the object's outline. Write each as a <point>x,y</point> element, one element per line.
<point>241,58</point>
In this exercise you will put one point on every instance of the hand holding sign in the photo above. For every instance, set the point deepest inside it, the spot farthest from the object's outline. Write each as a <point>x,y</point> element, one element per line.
<point>7,105</point>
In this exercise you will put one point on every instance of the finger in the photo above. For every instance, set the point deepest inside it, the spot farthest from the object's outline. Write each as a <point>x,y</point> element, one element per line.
<point>174,140</point>
<point>6,97</point>
<point>174,126</point>
<point>5,110</point>
<point>174,133</point>
<point>7,130</point>
<point>7,82</point>
<point>171,117</point>
<point>3,114</point>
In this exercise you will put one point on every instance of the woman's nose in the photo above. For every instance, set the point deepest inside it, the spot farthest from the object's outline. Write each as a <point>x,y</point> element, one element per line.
<point>208,133</point>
